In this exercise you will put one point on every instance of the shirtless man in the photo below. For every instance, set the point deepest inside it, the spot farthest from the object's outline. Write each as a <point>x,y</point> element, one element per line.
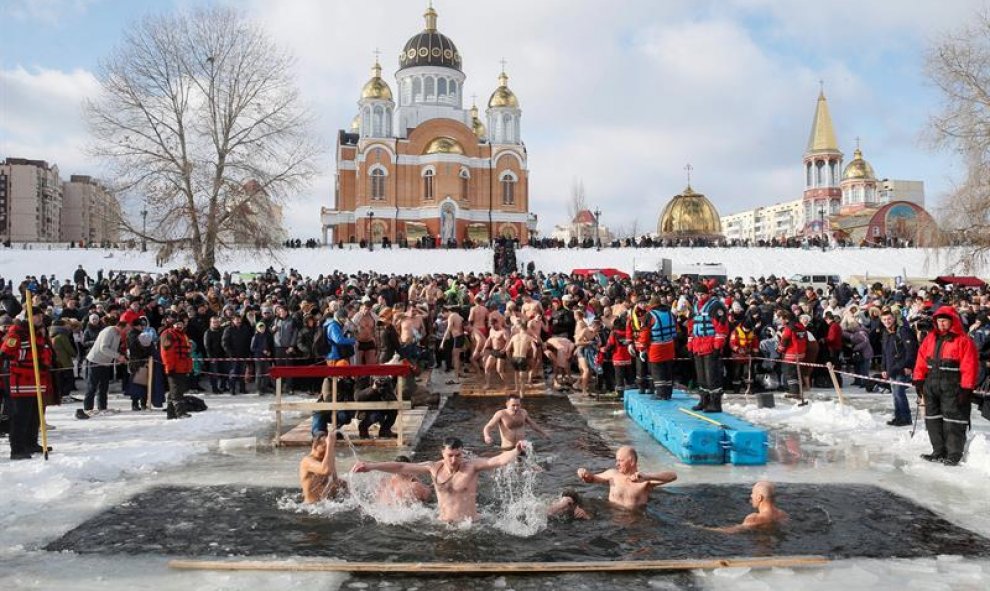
<point>495,345</point>
<point>568,505</point>
<point>628,488</point>
<point>560,350</point>
<point>454,333</point>
<point>767,514</point>
<point>455,479</point>
<point>318,471</point>
<point>584,337</point>
<point>521,348</point>
<point>399,489</point>
<point>478,323</point>
<point>535,329</point>
<point>365,321</point>
<point>512,422</point>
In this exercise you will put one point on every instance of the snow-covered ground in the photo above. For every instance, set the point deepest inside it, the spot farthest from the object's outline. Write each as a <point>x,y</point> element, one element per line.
<point>743,262</point>
<point>102,462</point>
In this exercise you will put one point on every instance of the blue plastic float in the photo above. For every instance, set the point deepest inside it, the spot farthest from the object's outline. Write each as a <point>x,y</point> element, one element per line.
<point>695,440</point>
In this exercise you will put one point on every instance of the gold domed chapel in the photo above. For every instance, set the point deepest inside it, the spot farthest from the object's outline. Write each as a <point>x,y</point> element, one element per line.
<point>416,165</point>
<point>689,216</point>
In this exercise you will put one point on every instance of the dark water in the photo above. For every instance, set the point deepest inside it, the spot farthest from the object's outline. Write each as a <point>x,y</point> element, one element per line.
<point>833,520</point>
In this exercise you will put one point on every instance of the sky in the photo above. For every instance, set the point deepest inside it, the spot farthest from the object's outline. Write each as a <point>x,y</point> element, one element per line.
<point>620,95</point>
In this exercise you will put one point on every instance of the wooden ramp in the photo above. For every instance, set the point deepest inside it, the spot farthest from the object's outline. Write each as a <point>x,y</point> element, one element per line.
<point>411,420</point>
<point>473,385</point>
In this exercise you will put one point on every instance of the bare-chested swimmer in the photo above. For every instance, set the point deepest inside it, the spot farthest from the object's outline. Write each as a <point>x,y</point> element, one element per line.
<point>398,489</point>
<point>767,514</point>
<point>455,479</point>
<point>318,471</point>
<point>511,422</point>
<point>627,486</point>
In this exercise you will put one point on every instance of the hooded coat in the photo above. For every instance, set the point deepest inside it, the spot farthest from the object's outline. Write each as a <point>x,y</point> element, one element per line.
<point>956,346</point>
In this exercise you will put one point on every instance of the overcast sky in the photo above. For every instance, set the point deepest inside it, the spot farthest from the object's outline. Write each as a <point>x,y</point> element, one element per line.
<point>620,94</point>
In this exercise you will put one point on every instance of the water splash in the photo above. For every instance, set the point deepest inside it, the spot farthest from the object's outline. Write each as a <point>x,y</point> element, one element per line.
<point>519,511</point>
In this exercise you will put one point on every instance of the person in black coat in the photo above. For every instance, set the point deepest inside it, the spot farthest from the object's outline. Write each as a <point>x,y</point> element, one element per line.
<point>213,350</point>
<point>236,341</point>
<point>900,348</point>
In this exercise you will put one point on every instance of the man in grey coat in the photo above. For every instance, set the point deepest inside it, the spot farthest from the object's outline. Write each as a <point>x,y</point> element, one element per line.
<point>285,332</point>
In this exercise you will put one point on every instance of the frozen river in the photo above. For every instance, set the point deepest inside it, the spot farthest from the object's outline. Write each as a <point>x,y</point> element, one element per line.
<point>105,462</point>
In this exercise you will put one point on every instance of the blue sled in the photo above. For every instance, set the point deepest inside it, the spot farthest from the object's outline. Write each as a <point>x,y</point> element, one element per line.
<point>694,440</point>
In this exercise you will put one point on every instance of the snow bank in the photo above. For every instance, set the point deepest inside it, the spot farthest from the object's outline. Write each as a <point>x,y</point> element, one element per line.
<point>742,262</point>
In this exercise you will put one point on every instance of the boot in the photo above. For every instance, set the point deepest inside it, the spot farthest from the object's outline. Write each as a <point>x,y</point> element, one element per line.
<point>702,402</point>
<point>714,402</point>
<point>135,404</point>
<point>170,411</point>
<point>180,410</point>
<point>81,414</point>
<point>955,442</point>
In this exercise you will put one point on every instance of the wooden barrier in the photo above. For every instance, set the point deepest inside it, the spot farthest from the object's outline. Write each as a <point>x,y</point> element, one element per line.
<point>334,373</point>
<point>498,567</point>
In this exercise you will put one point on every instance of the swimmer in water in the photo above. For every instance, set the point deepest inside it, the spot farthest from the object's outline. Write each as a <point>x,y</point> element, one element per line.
<point>455,479</point>
<point>767,514</point>
<point>568,505</point>
<point>628,488</point>
<point>400,489</point>
<point>318,471</point>
<point>512,422</point>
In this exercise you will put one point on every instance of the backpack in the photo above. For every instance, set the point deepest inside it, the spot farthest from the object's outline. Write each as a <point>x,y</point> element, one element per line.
<point>321,344</point>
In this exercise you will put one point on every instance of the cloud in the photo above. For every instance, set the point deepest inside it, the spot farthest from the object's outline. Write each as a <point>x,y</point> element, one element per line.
<point>47,12</point>
<point>43,115</point>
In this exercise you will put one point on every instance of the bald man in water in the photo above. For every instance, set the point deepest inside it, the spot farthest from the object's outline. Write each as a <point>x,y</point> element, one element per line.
<point>455,479</point>
<point>628,488</point>
<point>767,514</point>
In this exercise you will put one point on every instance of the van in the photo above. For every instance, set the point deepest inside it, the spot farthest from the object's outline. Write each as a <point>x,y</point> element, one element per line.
<point>817,281</point>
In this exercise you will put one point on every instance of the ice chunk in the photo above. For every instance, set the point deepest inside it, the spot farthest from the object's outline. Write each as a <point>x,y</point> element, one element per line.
<point>732,572</point>
<point>238,443</point>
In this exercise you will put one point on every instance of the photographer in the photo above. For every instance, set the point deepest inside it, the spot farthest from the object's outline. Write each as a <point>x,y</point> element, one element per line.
<point>381,389</point>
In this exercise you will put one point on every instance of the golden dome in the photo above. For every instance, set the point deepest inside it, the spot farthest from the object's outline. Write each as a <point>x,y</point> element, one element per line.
<point>503,97</point>
<point>476,125</point>
<point>444,145</point>
<point>356,122</point>
<point>689,215</point>
<point>376,88</point>
<point>858,169</point>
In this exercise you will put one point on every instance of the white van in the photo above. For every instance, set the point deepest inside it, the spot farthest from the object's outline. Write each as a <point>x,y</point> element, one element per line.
<point>815,280</point>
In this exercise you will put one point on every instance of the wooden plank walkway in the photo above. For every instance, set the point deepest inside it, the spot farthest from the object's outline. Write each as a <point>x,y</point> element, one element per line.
<point>300,436</point>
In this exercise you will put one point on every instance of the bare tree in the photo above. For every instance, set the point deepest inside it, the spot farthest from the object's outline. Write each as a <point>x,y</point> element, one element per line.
<point>958,64</point>
<point>578,201</point>
<point>196,107</point>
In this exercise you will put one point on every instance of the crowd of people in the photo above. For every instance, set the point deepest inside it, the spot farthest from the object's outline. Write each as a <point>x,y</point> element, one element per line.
<point>181,331</point>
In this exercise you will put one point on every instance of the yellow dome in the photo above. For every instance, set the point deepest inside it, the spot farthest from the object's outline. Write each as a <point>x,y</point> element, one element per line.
<point>858,168</point>
<point>503,97</point>
<point>356,122</point>
<point>376,88</point>
<point>476,125</point>
<point>444,145</point>
<point>689,215</point>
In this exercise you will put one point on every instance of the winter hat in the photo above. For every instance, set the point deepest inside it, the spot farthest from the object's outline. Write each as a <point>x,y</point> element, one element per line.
<point>145,339</point>
<point>261,325</point>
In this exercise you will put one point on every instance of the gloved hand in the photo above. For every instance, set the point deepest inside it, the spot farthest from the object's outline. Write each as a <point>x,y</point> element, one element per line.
<point>919,385</point>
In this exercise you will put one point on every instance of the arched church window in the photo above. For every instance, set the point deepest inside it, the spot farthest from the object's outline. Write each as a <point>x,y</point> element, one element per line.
<point>507,127</point>
<point>508,182</point>
<point>417,91</point>
<point>465,179</point>
<point>453,90</point>
<point>405,97</point>
<point>428,185</point>
<point>378,184</point>
<point>442,87</point>
<point>808,180</point>
<point>430,89</point>
<point>378,122</point>
<point>820,176</point>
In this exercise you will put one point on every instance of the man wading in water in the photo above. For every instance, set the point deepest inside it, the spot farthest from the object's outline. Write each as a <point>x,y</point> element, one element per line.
<point>627,486</point>
<point>512,422</point>
<point>767,514</point>
<point>318,471</point>
<point>455,479</point>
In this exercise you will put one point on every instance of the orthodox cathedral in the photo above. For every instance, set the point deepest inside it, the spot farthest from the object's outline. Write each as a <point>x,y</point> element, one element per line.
<point>416,164</point>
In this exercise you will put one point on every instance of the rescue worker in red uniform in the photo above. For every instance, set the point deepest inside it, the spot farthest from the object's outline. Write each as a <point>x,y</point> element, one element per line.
<point>792,345</point>
<point>656,343</point>
<point>638,318</point>
<point>617,348</point>
<point>16,349</point>
<point>745,344</point>
<point>177,359</point>
<point>945,374</point>
<point>707,331</point>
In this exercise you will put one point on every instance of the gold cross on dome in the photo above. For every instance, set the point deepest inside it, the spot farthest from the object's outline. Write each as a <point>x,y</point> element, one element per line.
<point>688,168</point>
<point>857,142</point>
<point>503,62</point>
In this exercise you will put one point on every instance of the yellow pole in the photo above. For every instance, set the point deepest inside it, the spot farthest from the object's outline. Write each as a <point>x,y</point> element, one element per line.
<point>37,372</point>
<point>700,416</point>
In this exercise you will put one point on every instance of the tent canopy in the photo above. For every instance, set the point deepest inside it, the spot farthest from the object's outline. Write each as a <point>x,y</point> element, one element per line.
<point>960,280</point>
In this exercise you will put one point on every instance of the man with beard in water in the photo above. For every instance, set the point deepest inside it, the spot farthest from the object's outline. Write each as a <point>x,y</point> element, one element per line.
<point>318,471</point>
<point>455,479</point>
<point>767,514</point>
<point>628,488</point>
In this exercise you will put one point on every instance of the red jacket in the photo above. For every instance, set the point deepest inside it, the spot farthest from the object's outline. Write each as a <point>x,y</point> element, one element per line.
<point>719,320</point>
<point>656,352</point>
<point>833,338</point>
<point>744,343</point>
<point>176,353</point>
<point>17,347</point>
<point>793,341</point>
<point>618,343</point>
<point>956,346</point>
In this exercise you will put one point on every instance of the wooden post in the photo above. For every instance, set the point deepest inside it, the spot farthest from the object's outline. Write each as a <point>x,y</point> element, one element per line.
<point>278,412</point>
<point>400,416</point>
<point>151,380</point>
<point>835,383</point>
<point>333,411</point>
<point>498,567</point>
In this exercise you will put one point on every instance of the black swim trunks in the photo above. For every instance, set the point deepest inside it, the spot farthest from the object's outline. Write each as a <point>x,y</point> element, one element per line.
<point>520,363</point>
<point>367,346</point>
<point>459,342</point>
<point>499,354</point>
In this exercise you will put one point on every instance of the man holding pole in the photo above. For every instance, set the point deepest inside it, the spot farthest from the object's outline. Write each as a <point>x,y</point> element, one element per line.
<point>28,381</point>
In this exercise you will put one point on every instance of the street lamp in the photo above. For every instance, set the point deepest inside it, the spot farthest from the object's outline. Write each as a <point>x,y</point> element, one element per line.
<point>144,230</point>
<point>371,239</point>
<point>821,217</point>
<point>598,237</point>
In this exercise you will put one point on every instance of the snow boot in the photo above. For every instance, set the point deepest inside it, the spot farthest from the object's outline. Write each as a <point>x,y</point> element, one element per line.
<point>955,442</point>
<point>135,404</point>
<point>81,414</point>
<point>714,402</point>
<point>170,411</point>
<point>937,438</point>
<point>702,402</point>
